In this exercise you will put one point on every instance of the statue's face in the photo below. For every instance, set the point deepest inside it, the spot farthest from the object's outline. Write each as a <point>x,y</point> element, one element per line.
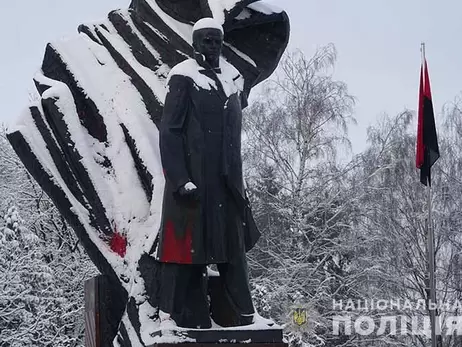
<point>209,42</point>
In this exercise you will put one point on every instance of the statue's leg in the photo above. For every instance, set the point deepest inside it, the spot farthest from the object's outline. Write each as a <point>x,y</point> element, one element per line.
<point>170,290</point>
<point>183,295</point>
<point>196,310</point>
<point>234,275</point>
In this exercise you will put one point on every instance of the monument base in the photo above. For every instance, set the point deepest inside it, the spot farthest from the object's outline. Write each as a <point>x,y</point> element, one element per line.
<point>223,345</point>
<point>104,309</point>
<point>231,336</point>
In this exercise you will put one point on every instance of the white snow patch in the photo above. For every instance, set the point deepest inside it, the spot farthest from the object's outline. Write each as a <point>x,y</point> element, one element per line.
<point>190,68</point>
<point>148,325</point>
<point>230,77</point>
<point>131,332</point>
<point>241,54</point>
<point>207,23</point>
<point>212,273</point>
<point>264,8</point>
<point>218,8</point>
<point>182,29</point>
<point>158,32</point>
<point>245,14</point>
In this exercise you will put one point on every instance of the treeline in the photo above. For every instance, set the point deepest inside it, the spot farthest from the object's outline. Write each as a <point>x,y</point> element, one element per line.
<point>337,230</point>
<point>42,266</point>
<point>333,229</point>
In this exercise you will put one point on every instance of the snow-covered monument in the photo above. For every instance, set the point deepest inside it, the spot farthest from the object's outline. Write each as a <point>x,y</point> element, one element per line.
<point>92,141</point>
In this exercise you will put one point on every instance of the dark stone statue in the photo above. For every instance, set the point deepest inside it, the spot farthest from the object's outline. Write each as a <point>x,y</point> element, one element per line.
<point>206,218</point>
<point>149,177</point>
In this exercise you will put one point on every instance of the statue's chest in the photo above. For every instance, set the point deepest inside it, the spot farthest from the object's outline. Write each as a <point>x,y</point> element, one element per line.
<point>208,103</point>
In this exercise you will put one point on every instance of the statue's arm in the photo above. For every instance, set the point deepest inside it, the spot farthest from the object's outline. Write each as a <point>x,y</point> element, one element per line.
<point>244,99</point>
<point>176,108</point>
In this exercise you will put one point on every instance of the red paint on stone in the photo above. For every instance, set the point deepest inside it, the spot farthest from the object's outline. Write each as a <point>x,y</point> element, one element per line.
<point>119,244</point>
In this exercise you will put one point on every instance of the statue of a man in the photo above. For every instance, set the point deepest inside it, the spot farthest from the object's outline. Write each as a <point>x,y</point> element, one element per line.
<point>206,216</point>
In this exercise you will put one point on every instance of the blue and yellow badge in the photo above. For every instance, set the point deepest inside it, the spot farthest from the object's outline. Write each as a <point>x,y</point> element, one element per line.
<point>300,316</point>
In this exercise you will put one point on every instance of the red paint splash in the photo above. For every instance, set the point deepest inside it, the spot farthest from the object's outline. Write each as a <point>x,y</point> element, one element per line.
<point>119,244</point>
<point>174,249</point>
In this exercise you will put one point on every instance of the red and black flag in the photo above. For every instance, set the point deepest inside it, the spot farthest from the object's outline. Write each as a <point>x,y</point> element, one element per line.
<point>427,141</point>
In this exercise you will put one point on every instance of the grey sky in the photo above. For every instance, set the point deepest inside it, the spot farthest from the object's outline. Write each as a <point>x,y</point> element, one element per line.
<point>378,45</point>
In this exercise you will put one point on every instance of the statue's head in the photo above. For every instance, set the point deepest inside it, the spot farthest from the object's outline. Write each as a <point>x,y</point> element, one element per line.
<point>208,40</point>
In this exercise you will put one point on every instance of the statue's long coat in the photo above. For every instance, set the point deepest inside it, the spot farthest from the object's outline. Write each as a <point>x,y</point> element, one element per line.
<point>200,141</point>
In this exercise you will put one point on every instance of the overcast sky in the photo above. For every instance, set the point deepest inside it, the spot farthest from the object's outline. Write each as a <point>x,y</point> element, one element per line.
<point>378,44</point>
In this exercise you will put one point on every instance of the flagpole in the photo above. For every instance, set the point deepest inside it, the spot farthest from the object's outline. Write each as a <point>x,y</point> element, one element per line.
<point>431,248</point>
<point>431,267</point>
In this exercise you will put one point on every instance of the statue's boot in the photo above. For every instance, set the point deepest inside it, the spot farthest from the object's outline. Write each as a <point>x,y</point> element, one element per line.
<point>248,319</point>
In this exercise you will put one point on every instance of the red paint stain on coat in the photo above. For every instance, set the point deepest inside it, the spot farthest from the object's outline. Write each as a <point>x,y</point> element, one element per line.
<point>176,249</point>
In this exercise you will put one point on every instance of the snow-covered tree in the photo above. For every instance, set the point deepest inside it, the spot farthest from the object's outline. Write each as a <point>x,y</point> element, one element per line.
<point>302,203</point>
<point>31,305</point>
<point>394,210</point>
<point>55,249</point>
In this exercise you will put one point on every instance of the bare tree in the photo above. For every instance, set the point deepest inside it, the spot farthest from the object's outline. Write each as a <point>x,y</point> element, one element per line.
<point>394,209</point>
<point>292,135</point>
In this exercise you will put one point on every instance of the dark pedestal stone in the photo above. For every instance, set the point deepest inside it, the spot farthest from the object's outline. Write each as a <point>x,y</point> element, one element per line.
<point>223,345</point>
<point>270,337</point>
<point>103,312</point>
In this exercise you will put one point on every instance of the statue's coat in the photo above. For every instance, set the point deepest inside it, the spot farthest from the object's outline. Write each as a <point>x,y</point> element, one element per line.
<point>200,139</point>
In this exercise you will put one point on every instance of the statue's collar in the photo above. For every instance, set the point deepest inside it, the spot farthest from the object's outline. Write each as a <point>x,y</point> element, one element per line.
<point>217,70</point>
<point>200,59</point>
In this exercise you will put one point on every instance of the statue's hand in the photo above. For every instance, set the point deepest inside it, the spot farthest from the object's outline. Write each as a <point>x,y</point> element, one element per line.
<point>189,191</point>
<point>189,186</point>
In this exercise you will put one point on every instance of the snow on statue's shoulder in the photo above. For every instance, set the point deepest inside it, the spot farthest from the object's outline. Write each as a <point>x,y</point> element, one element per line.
<point>190,68</point>
<point>231,79</point>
